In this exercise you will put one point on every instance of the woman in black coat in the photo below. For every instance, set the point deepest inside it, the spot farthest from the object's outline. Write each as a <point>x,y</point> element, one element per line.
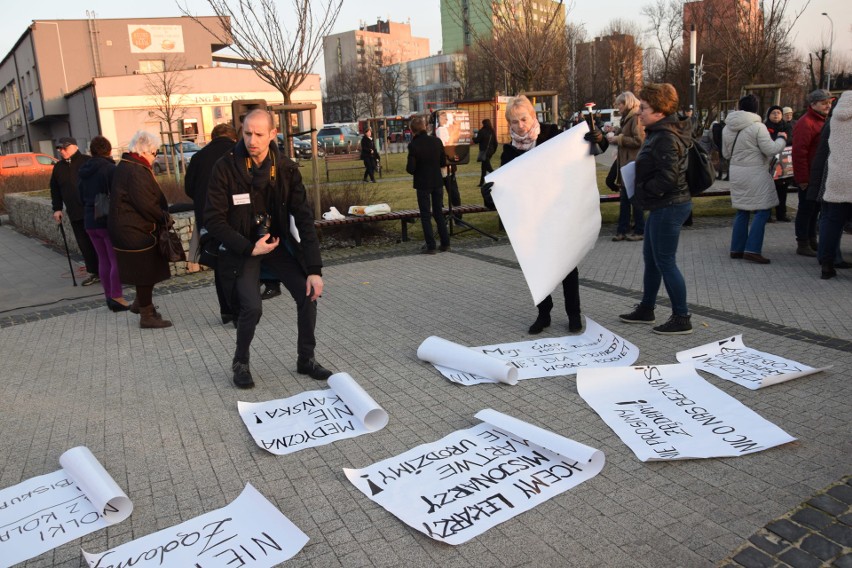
<point>137,210</point>
<point>776,124</point>
<point>94,181</point>
<point>369,155</point>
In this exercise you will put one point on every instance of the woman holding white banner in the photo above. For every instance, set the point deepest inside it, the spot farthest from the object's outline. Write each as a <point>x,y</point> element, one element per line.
<point>662,191</point>
<point>527,133</point>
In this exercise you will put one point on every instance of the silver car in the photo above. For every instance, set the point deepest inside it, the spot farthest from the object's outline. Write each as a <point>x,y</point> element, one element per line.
<point>173,154</point>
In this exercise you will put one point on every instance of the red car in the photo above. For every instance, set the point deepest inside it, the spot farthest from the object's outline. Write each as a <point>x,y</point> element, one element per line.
<point>26,163</point>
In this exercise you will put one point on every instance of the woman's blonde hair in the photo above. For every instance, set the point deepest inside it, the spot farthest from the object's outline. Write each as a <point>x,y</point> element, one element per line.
<point>628,99</point>
<point>519,102</point>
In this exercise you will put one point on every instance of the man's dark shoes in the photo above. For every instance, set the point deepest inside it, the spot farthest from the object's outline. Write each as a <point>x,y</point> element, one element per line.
<point>242,375</point>
<point>755,257</point>
<point>270,292</point>
<point>828,272</point>
<point>426,250</point>
<point>541,322</point>
<point>843,265</point>
<point>92,279</point>
<point>313,369</point>
<point>444,248</point>
<point>641,314</point>
<point>736,254</point>
<point>227,318</point>
<point>677,325</point>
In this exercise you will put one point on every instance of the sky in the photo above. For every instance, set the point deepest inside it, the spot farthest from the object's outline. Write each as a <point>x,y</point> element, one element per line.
<point>424,16</point>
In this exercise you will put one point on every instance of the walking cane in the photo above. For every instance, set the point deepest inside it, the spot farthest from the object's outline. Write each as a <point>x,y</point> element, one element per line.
<point>67,253</point>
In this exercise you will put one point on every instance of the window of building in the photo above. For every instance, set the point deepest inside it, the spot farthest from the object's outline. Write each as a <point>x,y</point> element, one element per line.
<point>16,97</point>
<point>29,83</point>
<point>152,66</point>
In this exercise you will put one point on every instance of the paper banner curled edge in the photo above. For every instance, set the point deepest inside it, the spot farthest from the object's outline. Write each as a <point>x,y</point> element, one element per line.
<point>440,351</point>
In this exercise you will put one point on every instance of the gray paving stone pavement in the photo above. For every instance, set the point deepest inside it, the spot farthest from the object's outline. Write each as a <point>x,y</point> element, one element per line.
<point>158,409</point>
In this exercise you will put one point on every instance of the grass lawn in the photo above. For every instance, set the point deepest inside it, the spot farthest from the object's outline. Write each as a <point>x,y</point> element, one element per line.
<point>395,189</point>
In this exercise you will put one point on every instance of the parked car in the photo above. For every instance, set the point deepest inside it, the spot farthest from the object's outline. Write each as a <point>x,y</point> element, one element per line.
<point>338,137</point>
<point>302,146</point>
<point>26,163</point>
<point>167,152</point>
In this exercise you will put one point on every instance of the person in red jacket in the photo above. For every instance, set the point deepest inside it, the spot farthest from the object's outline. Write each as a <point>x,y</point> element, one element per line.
<point>805,142</point>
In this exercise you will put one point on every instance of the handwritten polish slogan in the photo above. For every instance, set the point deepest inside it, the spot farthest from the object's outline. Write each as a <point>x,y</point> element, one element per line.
<point>548,357</point>
<point>552,233</point>
<point>471,480</point>
<point>44,512</point>
<point>313,418</point>
<point>668,412</point>
<point>250,531</point>
<point>731,360</point>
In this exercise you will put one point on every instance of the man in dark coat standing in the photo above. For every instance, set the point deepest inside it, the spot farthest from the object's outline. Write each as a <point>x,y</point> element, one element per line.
<point>254,196</point>
<point>63,191</point>
<point>195,185</point>
<point>426,157</point>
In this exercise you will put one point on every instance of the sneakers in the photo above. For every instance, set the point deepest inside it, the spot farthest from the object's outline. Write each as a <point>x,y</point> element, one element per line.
<point>541,322</point>
<point>313,369</point>
<point>804,248</point>
<point>242,375</point>
<point>677,325</point>
<point>640,314</point>
<point>92,279</point>
<point>619,237</point>
<point>634,238</point>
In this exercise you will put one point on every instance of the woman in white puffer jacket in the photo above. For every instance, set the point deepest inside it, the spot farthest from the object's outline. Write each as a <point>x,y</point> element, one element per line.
<point>749,147</point>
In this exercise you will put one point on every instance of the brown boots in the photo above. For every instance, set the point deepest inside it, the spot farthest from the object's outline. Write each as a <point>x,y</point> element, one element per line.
<point>151,319</point>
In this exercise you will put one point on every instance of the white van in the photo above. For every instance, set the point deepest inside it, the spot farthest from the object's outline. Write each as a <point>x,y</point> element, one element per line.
<point>610,116</point>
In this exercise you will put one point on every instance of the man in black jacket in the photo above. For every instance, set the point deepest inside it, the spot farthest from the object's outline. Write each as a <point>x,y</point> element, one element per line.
<point>254,196</point>
<point>63,191</point>
<point>426,157</point>
<point>197,180</point>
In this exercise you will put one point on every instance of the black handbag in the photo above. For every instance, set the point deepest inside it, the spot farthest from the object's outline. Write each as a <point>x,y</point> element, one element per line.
<point>101,205</point>
<point>170,246</point>
<point>481,157</point>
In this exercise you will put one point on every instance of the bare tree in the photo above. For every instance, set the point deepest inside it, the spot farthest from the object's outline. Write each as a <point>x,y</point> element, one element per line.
<point>526,39</point>
<point>370,85</point>
<point>282,50</point>
<point>395,82</point>
<point>341,100</point>
<point>166,91</point>
<point>666,29</point>
<point>575,34</point>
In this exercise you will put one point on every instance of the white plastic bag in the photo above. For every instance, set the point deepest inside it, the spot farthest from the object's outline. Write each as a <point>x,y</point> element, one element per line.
<point>332,214</point>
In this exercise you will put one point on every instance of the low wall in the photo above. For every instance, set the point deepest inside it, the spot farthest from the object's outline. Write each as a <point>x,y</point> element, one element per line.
<point>33,215</point>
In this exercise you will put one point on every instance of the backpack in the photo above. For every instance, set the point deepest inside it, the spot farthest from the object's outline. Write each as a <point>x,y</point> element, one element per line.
<point>700,173</point>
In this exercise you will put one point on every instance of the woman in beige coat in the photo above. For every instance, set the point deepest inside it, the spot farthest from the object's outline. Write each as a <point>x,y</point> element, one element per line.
<point>628,138</point>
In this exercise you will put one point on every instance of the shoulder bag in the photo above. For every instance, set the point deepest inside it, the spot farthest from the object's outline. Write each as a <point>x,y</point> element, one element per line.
<point>170,245</point>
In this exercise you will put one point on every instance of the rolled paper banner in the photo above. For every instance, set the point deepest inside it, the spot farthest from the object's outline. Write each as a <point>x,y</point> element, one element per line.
<point>442,352</point>
<point>363,406</point>
<point>97,484</point>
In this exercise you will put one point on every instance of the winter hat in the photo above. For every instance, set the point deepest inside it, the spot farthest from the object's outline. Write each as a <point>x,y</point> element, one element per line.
<point>774,107</point>
<point>787,110</point>
<point>818,95</point>
<point>748,103</point>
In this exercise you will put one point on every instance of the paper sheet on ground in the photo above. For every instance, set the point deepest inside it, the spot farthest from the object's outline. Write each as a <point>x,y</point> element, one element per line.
<point>249,532</point>
<point>44,512</point>
<point>668,412</point>
<point>731,360</point>
<point>471,480</point>
<point>549,204</point>
<point>545,357</point>
<point>313,418</point>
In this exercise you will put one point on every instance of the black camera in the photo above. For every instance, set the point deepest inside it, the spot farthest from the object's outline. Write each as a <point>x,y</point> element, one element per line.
<point>262,222</point>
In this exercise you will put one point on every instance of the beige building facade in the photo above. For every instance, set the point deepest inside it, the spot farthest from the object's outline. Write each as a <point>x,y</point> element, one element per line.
<point>384,43</point>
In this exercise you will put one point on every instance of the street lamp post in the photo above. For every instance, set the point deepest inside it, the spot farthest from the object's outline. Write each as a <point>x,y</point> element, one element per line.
<point>830,48</point>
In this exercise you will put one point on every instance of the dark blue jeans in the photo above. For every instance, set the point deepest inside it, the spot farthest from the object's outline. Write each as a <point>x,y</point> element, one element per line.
<point>431,204</point>
<point>831,221</point>
<point>662,233</point>
<point>625,206</point>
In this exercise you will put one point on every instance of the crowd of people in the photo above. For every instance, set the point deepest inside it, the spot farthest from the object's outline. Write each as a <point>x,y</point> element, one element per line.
<point>255,224</point>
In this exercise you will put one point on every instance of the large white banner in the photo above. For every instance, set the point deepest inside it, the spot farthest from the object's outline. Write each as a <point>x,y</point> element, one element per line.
<point>471,480</point>
<point>549,203</point>
<point>250,531</point>
<point>731,360</point>
<point>545,357</point>
<point>41,513</point>
<point>313,418</point>
<point>668,412</point>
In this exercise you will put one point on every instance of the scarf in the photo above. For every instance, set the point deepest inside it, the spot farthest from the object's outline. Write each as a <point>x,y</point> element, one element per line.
<point>526,142</point>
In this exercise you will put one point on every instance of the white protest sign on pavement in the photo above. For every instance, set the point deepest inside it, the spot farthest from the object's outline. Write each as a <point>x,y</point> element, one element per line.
<point>250,531</point>
<point>668,412</point>
<point>466,361</point>
<point>731,360</point>
<point>44,512</point>
<point>471,480</point>
<point>544,357</point>
<point>313,418</point>
<point>549,204</point>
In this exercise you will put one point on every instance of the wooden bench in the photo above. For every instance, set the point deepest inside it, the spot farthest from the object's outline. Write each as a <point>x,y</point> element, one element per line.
<point>331,159</point>
<point>405,216</point>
